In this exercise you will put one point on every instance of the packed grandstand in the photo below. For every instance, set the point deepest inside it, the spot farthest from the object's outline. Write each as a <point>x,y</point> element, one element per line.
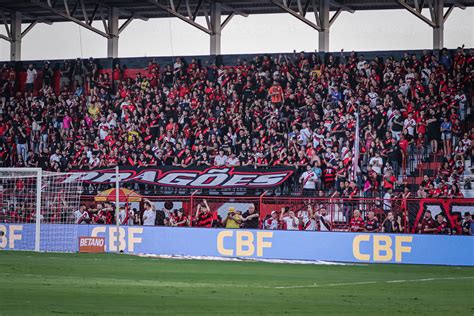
<point>299,110</point>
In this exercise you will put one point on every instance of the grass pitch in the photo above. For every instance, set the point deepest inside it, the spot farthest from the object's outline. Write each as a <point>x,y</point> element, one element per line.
<point>96,284</point>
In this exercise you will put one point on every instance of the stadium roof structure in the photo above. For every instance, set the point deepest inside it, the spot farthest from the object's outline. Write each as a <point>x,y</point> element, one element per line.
<point>217,14</point>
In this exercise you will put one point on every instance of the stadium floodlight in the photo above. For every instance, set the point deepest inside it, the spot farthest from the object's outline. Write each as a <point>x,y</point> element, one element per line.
<point>41,205</point>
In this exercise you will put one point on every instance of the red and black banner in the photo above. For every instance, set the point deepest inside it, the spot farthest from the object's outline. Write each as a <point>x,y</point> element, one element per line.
<point>191,177</point>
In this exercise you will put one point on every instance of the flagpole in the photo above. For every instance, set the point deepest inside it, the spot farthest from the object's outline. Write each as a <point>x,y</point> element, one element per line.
<point>117,219</point>
<point>355,160</point>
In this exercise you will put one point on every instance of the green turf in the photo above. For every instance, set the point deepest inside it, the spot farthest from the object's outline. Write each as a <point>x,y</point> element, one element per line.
<point>88,284</point>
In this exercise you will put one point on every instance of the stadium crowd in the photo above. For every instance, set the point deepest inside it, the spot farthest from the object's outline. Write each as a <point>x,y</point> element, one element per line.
<point>311,217</point>
<point>292,110</point>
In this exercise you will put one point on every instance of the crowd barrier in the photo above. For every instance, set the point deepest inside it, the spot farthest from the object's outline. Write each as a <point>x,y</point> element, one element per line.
<point>340,210</point>
<point>256,244</point>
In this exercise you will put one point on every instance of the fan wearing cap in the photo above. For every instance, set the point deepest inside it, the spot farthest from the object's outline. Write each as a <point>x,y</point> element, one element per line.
<point>233,219</point>
<point>272,222</point>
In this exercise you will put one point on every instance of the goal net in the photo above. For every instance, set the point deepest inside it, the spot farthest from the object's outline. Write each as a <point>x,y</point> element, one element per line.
<point>37,210</point>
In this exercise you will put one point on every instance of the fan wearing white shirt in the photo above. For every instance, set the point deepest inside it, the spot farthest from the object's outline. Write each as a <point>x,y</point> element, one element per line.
<point>272,222</point>
<point>122,215</point>
<point>103,128</point>
<point>220,159</point>
<point>306,218</point>
<point>409,123</point>
<point>149,215</point>
<point>323,219</point>
<point>305,134</point>
<point>308,179</point>
<point>376,163</point>
<point>373,96</point>
<point>232,161</point>
<point>81,215</point>
<point>292,222</point>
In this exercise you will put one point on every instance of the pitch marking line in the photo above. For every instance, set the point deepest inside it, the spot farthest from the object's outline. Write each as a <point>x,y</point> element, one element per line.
<point>369,282</point>
<point>33,278</point>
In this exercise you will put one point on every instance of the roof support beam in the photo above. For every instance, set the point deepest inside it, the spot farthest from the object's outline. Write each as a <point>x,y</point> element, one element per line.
<point>216,28</point>
<point>94,12</point>
<point>437,17</point>
<point>446,15</point>
<point>15,44</point>
<point>7,26</point>
<point>322,15</point>
<point>182,17</point>
<point>74,8</point>
<point>438,29</point>
<point>113,30</point>
<point>196,11</point>
<point>306,7</point>
<point>296,14</point>
<point>6,38</point>
<point>341,6</point>
<point>84,12</point>
<point>334,17</point>
<point>227,20</point>
<point>237,12</point>
<point>415,12</point>
<point>67,16</point>
<point>28,28</point>
<point>125,24</point>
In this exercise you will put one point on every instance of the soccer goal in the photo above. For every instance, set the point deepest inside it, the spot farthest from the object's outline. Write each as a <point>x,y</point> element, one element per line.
<point>37,210</point>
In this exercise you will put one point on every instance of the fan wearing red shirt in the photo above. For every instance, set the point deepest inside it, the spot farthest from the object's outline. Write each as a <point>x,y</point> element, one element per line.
<point>357,224</point>
<point>427,225</point>
<point>180,219</point>
<point>204,215</point>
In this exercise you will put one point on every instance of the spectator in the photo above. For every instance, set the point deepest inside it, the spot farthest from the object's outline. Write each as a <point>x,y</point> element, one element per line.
<point>289,111</point>
<point>204,217</point>
<point>180,219</point>
<point>31,75</point>
<point>357,223</point>
<point>323,218</point>
<point>390,225</point>
<point>371,223</point>
<point>467,224</point>
<point>289,219</point>
<point>387,201</point>
<point>250,219</point>
<point>48,75</point>
<point>149,215</point>
<point>308,179</point>
<point>123,216</point>
<point>233,219</point>
<point>442,227</point>
<point>81,216</point>
<point>427,224</point>
<point>272,222</point>
<point>306,218</point>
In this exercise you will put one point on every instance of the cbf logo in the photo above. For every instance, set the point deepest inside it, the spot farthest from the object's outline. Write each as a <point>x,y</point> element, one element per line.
<point>383,247</point>
<point>9,234</point>
<point>243,243</point>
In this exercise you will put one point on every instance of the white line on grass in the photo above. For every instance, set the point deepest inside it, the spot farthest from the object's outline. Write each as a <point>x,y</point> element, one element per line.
<point>369,282</point>
<point>94,281</point>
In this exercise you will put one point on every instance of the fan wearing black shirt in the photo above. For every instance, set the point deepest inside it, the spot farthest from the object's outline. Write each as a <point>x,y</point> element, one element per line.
<point>250,218</point>
<point>390,225</point>
<point>371,223</point>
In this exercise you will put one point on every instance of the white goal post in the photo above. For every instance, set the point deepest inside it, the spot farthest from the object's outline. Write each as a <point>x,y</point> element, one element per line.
<point>37,209</point>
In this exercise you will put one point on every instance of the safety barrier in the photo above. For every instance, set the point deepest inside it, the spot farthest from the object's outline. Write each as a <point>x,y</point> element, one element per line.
<point>256,244</point>
<point>408,212</point>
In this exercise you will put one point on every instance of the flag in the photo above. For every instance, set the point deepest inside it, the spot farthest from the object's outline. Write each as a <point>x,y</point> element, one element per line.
<point>355,160</point>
